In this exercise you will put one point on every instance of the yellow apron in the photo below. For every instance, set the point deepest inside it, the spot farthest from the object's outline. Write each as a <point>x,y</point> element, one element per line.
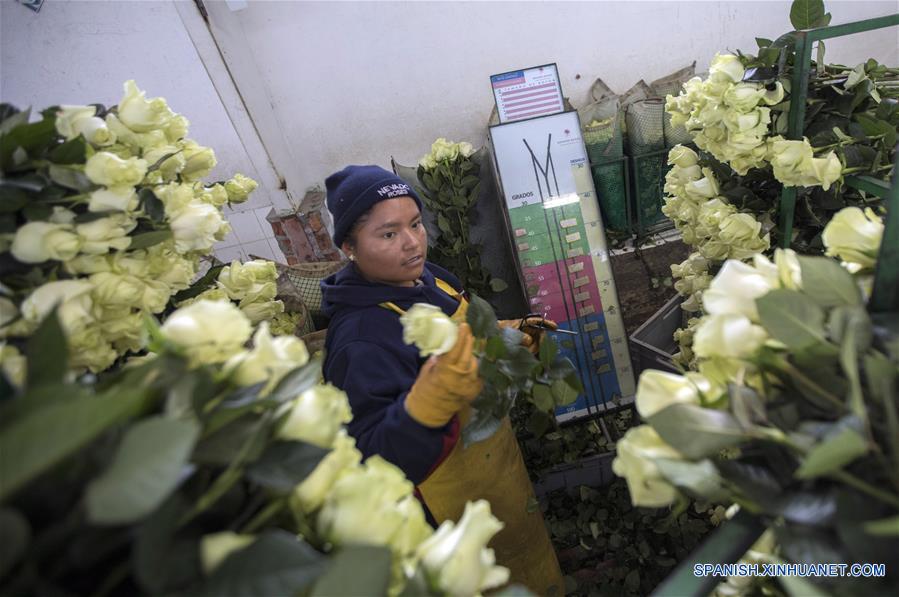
<point>494,470</point>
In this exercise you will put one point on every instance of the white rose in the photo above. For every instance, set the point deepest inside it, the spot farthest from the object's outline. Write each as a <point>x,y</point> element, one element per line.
<point>429,328</point>
<point>269,360</point>
<point>106,234</point>
<point>175,197</point>
<point>413,531</point>
<point>126,332</point>
<point>788,269</point>
<point>200,161</point>
<point>239,188</point>
<point>361,506</point>
<point>136,143</point>
<point>726,67</point>
<point>682,157</point>
<point>176,128</point>
<point>68,117</point>
<point>636,453</point>
<point>727,335</point>
<point>456,557</point>
<point>823,171</point>
<point>316,416</point>
<point>109,170</point>
<point>140,114</point>
<point>310,493</point>
<point>465,149</point>
<point>774,96</point>
<point>251,281</point>
<point>735,289</point>
<point>197,227</point>
<point>166,265</point>
<point>262,310</point>
<point>113,289</point>
<point>704,188</point>
<point>216,547</point>
<point>739,229</point>
<point>215,195</point>
<point>789,158</point>
<point>96,132</point>
<point>13,365</point>
<point>744,97</point>
<point>114,199</point>
<point>36,242</point>
<point>657,390</point>
<point>208,331</point>
<point>854,236</point>
<point>169,169</point>
<point>73,298</point>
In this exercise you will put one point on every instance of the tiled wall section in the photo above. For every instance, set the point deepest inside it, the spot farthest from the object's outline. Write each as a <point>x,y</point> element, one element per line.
<point>250,233</point>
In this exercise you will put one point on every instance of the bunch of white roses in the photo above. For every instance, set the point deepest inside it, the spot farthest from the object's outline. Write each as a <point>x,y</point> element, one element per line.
<point>704,217</point>
<point>347,501</point>
<point>732,121</point>
<point>443,151</point>
<point>130,238</point>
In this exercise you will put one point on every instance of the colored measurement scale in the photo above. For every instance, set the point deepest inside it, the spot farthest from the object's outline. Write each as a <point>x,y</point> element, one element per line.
<point>559,239</point>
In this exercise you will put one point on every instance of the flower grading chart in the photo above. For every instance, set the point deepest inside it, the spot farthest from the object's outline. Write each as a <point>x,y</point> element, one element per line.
<point>563,255</point>
<point>527,93</point>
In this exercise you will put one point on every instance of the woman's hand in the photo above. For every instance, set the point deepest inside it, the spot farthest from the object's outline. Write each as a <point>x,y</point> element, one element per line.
<point>445,384</point>
<point>533,329</point>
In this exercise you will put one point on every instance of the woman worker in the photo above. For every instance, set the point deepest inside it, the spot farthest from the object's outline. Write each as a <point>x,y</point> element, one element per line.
<point>406,409</point>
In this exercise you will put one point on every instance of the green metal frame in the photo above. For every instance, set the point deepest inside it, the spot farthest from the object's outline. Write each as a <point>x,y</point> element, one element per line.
<point>802,56</point>
<point>885,295</point>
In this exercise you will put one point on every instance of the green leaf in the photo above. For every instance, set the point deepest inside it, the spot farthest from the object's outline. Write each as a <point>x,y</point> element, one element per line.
<point>443,223</point>
<point>148,239</point>
<point>11,121</point>
<point>297,381</point>
<point>152,205</point>
<point>806,14</point>
<point>495,348</point>
<point>70,178</point>
<point>792,318</point>
<point>225,445</point>
<point>763,42</point>
<point>356,570</point>
<point>162,560</point>
<point>697,432</point>
<point>885,527</point>
<point>16,533</point>
<point>807,508</point>
<point>70,152</point>
<point>699,480</point>
<point>840,446</point>
<point>277,563</point>
<point>200,285</point>
<point>42,437</point>
<point>827,283</point>
<point>842,320</point>
<point>481,318</point>
<point>498,285</point>
<point>47,352</point>
<point>563,393</point>
<point>539,423</point>
<point>146,468</point>
<point>481,426</point>
<point>285,464</point>
<point>876,126</point>
<point>548,351</point>
<point>30,137</point>
<point>542,397</point>
<point>519,363</point>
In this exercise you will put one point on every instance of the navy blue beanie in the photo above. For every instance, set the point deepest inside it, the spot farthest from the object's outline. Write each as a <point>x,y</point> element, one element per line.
<point>355,189</point>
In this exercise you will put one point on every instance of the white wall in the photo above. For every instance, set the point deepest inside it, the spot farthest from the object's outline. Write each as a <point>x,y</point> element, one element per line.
<point>82,52</point>
<point>355,82</point>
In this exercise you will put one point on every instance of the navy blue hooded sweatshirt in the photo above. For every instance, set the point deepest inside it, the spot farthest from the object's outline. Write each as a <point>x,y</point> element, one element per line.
<point>366,357</point>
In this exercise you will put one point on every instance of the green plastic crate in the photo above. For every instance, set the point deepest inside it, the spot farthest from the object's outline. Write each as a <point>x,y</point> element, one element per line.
<point>611,182</point>
<point>648,180</point>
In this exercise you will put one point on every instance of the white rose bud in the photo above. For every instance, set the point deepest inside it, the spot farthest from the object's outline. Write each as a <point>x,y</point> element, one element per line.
<point>854,236</point>
<point>114,199</point>
<point>73,298</point>
<point>215,195</point>
<point>823,171</point>
<point>251,281</point>
<point>739,229</point>
<point>788,269</point>
<point>429,328</point>
<point>96,132</point>
<point>239,188</point>
<point>140,114</point>
<point>657,390</point>
<point>774,96</point>
<point>13,365</point>
<point>176,128</point>
<point>743,97</point>
<point>635,460</point>
<point>106,234</point>
<point>727,335</point>
<point>726,67</point>
<point>169,169</point>
<point>197,227</point>
<point>456,557</point>
<point>216,547</point>
<point>735,289</point>
<point>113,289</point>
<point>262,310</point>
<point>36,242</point>
<point>269,361</point>
<point>704,188</point>
<point>316,416</point>
<point>107,169</point>
<point>67,117</point>
<point>200,161</point>
<point>682,156</point>
<point>208,331</point>
<point>310,493</point>
<point>361,506</point>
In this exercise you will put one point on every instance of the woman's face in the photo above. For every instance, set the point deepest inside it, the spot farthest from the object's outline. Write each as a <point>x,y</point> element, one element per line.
<point>391,244</point>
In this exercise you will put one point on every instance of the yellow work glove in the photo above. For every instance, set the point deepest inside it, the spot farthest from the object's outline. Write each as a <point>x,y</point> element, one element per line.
<point>532,335</point>
<point>445,384</point>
